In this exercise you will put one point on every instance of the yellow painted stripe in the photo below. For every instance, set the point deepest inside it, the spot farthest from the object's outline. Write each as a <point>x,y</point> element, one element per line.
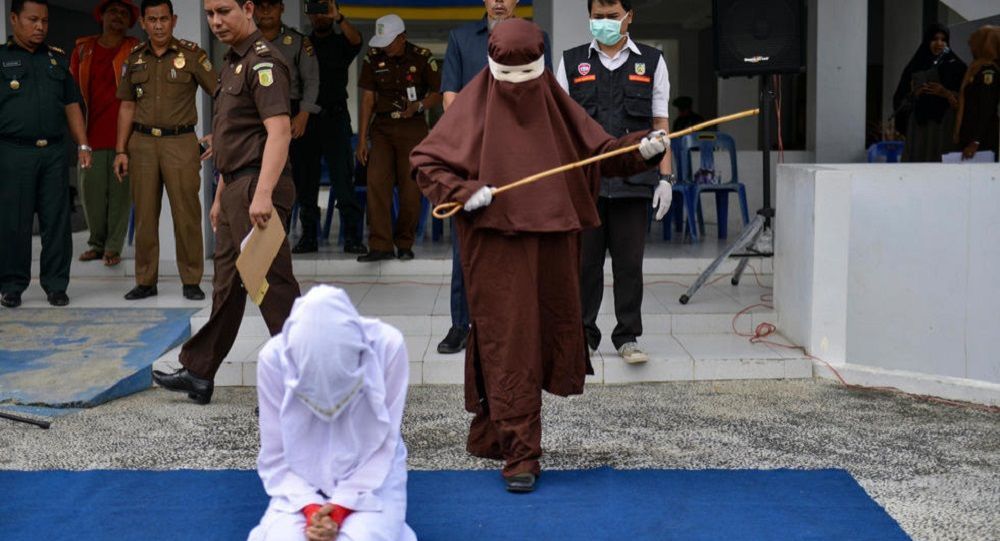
<point>425,14</point>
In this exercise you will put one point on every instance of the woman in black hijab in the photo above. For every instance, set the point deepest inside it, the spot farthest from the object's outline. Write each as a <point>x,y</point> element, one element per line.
<point>927,97</point>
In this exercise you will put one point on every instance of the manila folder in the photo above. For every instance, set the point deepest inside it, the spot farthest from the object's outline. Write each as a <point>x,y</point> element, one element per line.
<point>259,250</point>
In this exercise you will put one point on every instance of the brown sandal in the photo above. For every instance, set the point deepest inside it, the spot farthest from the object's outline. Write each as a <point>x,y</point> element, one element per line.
<point>90,255</point>
<point>111,259</point>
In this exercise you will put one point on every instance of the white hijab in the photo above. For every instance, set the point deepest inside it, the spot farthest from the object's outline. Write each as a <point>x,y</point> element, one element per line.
<point>333,416</point>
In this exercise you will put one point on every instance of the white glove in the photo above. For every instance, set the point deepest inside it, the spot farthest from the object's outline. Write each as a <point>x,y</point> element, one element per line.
<point>661,199</point>
<point>653,144</point>
<point>482,197</point>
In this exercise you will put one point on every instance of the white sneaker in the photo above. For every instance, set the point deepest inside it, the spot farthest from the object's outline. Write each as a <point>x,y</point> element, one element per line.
<point>631,353</point>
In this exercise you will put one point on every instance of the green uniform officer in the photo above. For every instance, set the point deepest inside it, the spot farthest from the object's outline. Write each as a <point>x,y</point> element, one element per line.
<point>37,98</point>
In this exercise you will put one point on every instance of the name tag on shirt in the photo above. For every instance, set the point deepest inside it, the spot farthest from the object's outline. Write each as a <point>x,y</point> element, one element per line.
<point>11,63</point>
<point>411,93</point>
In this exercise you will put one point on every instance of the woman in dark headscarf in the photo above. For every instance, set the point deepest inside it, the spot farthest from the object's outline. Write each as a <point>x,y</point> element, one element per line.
<point>979,125</point>
<point>520,254</point>
<point>927,97</point>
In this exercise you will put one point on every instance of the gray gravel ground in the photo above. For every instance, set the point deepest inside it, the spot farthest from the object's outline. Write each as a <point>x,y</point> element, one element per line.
<point>935,468</point>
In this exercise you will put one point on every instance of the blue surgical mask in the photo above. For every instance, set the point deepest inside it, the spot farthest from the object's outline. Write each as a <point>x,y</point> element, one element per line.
<point>606,31</point>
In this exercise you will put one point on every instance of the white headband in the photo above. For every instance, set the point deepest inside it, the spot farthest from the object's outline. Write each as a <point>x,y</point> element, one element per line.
<point>517,74</point>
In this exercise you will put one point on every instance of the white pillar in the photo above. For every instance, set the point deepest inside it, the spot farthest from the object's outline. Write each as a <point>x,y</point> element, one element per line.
<point>837,67</point>
<point>567,30</point>
<point>901,36</point>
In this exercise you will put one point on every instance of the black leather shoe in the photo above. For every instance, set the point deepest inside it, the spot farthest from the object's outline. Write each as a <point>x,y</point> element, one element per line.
<point>198,389</point>
<point>11,300</point>
<point>305,246</point>
<point>355,248</point>
<point>140,292</point>
<point>376,255</point>
<point>193,293</point>
<point>455,340</point>
<point>58,298</point>
<point>520,483</point>
<point>405,255</point>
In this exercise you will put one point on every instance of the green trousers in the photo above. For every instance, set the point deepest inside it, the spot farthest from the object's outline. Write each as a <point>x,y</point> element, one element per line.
<point>34,180</point>
<point>106,203</point>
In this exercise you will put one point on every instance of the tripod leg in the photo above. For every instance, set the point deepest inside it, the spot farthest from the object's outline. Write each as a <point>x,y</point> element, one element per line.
<point>17,418</point>
<point>746,236</point>
<point>739,271</point>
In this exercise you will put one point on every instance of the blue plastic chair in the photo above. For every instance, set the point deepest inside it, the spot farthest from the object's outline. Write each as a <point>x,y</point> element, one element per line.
<point>885,152</point>
<point>707,143</point>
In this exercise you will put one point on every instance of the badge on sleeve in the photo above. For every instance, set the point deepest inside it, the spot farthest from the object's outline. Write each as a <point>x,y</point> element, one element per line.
<point>287,40</point>
<point>265,76</point>
<point>583,68</point>
<point>640,68</point>
<point>988,77</point>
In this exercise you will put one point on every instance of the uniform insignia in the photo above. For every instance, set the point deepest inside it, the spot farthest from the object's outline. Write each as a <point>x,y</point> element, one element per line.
<point>56,49</point>
<point>138,92</point>
<point>179,62</point>
<point>413,69</point>
<point>139,46</point>
<point>307,46</point>
<point>239,69</point>
<point>583,68</point>
<point>640,68</point>
<point>139,61</point>
<point>189,45</point>
<point>54,63</point>
<point>265,77</point>
<point>381,64</point>
<point>11,63</point>
<point>287,40</point>
<point>206,63</point>
<point>425,52</point>
<point>585,79</point>
<point>262,65</point>
<point>434,65</point>
<point>15,84</point>
<point>988,77</point>
<point>260,47</point>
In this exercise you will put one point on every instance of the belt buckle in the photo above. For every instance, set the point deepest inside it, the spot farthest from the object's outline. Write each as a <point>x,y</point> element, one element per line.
<point>42,143</point>
<point>396,115</point>
<point>156,132</point>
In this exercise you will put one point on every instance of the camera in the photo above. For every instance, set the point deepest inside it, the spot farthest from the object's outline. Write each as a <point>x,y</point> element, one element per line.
<point>316,8</point>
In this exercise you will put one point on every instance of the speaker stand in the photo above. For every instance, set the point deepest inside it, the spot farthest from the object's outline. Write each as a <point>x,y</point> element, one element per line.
<point>756,239</point>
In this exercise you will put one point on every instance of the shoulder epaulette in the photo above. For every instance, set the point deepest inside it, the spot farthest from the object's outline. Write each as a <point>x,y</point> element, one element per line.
<point>424,52</point>
<point>189,45</point>
<point>307,45</point>
<point>55,49</point>
<point>260,47</point>
<point>137,47</point>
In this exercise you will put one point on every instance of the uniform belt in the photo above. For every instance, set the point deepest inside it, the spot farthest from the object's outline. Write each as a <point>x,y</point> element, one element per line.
<point>242,172</point>
<point>40,143</point>
<point>395,115</point>
<point>161,132</point>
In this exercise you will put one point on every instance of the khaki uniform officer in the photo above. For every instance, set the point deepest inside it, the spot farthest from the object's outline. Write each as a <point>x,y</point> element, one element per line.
<point>157,122</point>
<point>250,136</point>
<point>38,97</point>
<point>399,82</point>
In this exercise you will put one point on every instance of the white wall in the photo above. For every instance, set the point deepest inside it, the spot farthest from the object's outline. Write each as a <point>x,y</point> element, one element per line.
<point>892,268</point>
<point>837,65</point>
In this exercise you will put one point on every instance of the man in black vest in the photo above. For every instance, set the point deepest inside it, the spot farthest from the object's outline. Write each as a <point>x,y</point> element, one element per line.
<point>624,86</point>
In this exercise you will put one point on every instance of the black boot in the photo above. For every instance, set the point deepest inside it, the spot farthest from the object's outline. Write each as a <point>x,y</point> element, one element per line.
<point>306,245</point>
<point>455,340</point>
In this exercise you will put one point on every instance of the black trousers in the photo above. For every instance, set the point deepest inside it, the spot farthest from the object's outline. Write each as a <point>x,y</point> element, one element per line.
<point>622,233</point>
<point>328,135</point>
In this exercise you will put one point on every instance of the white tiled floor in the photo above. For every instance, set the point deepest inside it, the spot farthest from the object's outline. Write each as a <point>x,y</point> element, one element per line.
<point>685,342</point>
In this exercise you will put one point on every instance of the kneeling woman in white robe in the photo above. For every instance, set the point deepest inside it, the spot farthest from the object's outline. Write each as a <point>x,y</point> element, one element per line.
<point>331,388</point>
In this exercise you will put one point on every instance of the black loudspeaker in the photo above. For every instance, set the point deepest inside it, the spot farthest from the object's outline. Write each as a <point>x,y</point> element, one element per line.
<point>754,37</point>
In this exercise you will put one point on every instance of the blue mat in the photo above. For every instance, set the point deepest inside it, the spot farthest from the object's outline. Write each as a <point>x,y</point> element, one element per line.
<point>634,505</point>
<point>74,357</point>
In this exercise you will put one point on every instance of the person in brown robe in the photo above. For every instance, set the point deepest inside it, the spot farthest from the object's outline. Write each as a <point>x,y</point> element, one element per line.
<point>520,254</point>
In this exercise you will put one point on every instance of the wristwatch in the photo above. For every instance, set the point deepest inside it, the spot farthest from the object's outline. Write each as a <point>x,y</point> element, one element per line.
<point>85,148</point>
<point>669,177</point>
